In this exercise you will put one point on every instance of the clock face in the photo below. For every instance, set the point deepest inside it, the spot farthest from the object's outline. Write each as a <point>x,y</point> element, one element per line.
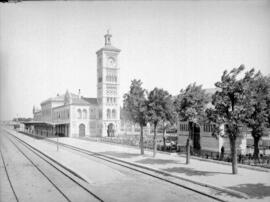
<point>111,62</point>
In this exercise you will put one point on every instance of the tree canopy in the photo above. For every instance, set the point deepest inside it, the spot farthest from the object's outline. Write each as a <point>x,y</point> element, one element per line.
<point>191,102</point>
<point>159,106</point>
<point>135,103</point>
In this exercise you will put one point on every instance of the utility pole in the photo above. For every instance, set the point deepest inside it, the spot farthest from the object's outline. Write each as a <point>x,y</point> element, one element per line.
<point>57,143</point>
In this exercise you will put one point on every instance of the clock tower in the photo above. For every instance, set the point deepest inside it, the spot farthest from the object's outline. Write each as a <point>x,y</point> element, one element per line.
<point>108,88</point>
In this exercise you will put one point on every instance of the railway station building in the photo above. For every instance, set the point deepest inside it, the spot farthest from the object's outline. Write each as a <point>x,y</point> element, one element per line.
<point>73,115</point>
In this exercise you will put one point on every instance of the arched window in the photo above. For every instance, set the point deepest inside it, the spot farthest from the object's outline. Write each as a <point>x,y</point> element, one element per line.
<point>108,113</point>
<point>113,113</point>
<point>79,112</point>
<point>84,114</point>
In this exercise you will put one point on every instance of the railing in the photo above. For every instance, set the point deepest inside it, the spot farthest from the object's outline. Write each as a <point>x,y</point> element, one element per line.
<point>133,140</point>
<point>248,159</point>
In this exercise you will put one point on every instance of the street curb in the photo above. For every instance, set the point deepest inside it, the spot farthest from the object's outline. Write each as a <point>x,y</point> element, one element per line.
<point>183,155</point>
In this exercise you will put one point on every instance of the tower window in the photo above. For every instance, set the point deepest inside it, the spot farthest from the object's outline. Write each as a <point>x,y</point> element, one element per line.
<point>114,114</point>
<point>84,113</point>
<point>79,113</point>
<point>108,113</point>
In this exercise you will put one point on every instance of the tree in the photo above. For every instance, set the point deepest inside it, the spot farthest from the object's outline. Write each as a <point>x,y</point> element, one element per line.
<point>268,101</point>
<point>169,120</point>
<point>190,106</point>
<point>257,93</point>
<point>159,107</point>
<point>135,105</point>
<point>228,111</point>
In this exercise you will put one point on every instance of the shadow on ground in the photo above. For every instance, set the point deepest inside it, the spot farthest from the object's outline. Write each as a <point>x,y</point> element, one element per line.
<point>120,154</point>
<point>258,191</point>
<point>156,161</point>
<point>191,171</point>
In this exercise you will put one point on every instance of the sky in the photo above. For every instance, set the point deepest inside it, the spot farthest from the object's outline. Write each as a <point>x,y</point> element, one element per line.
<point>50,47</point>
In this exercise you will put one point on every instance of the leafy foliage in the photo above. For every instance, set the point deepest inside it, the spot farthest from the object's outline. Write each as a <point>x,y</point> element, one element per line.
<point>228,102</point>
<point>160,106</point>
<point>135,105</point>
<point>190,103</point>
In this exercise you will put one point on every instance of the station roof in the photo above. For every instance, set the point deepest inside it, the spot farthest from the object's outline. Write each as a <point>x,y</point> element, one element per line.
<point>41,123</point>
<point>90,100</point>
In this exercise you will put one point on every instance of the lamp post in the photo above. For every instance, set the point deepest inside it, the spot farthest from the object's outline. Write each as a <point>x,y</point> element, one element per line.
<point>57,142</point>
<point>54,132</point>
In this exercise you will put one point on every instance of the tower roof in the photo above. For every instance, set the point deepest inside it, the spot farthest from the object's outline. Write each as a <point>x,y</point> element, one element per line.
<point>108,46</point>
<point>108,38</point>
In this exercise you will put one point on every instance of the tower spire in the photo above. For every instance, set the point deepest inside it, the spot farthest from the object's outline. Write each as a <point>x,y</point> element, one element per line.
<point>108,38</point>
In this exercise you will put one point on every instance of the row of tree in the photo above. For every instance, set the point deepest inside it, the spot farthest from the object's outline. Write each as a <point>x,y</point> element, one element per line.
<point>238,101</point>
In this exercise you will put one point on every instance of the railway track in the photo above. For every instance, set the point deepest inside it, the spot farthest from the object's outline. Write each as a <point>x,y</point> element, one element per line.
<point>45,166</point>
<point>7,174</point>
<point>124,164</point>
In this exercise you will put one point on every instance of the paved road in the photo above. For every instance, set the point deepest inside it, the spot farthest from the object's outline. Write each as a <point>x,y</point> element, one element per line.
<point>108,181</point>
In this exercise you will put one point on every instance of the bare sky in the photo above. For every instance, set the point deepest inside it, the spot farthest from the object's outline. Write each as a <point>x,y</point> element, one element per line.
<point>49,47</point>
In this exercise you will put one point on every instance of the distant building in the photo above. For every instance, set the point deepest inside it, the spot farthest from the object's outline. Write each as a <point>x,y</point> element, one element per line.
<point>204,142</point>
<point>73,115</point>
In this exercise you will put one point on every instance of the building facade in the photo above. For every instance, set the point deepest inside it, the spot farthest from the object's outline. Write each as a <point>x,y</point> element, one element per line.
<point>203,141</point>
<point>73,115</point>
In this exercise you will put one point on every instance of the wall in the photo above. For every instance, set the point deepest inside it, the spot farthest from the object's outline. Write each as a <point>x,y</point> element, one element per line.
<point>76,120</point>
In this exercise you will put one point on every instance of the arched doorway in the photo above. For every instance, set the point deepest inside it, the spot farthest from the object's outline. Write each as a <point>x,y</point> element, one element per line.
<point>196,137</point>
<point>110,130</point>
<point>81,130</point>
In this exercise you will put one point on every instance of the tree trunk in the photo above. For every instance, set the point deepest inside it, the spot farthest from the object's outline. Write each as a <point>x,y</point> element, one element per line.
<point>141,141</point>
<point>188,144</point>
<point>188,151</point>
<point>256,147</point>
<point>234,155</point>
<point>154,141</point>
<point>163,135</point>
